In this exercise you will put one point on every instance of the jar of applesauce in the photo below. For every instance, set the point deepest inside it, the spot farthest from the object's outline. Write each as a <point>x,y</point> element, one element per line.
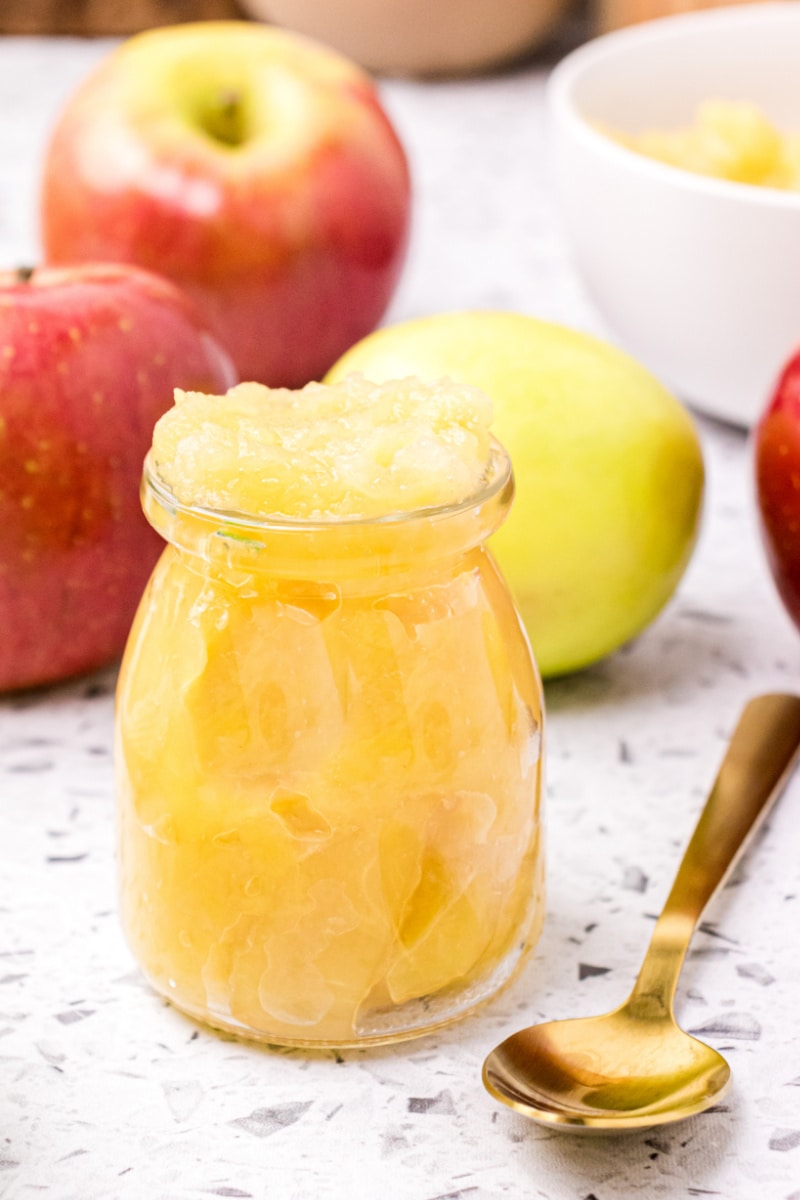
<point>329,722</point>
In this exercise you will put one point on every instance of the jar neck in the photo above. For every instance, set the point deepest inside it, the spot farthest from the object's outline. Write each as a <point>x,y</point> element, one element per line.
<point>332,549</point>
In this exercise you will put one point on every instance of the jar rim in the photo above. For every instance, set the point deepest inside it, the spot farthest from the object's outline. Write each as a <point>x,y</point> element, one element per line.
<point>498,478</point>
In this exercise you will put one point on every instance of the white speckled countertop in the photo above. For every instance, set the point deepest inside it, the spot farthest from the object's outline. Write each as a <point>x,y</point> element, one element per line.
<point>107,1092</point>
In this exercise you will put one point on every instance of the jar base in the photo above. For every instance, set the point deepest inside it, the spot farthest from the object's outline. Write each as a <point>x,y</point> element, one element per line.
<point>414,1019</point>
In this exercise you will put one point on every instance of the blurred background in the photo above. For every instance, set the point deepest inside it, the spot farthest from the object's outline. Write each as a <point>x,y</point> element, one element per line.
<point>392,36</point>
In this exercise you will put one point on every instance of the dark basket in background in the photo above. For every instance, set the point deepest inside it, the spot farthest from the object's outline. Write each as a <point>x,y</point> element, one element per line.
<point>107,18</point>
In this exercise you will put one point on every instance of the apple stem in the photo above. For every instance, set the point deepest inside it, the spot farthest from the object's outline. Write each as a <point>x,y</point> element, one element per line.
<point>226,120</point>
<point>24,274</point>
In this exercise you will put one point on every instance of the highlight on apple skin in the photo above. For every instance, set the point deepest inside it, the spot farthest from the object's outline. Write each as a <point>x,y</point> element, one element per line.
<point>255,168</point>
<point>89,359</point>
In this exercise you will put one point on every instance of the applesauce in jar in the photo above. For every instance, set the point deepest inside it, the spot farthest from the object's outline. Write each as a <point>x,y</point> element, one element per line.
<point>329,722</point>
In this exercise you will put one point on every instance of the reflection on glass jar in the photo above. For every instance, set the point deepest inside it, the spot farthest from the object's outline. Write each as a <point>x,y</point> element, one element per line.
<point>329,761</point>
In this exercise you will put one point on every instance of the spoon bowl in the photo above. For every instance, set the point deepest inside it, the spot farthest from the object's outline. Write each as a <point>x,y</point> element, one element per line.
<point>617,1069</point>
<point>635,1067</point>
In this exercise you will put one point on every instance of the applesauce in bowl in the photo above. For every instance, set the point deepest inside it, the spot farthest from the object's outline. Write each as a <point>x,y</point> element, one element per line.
<point>329,722</point>
<point>726,139</point>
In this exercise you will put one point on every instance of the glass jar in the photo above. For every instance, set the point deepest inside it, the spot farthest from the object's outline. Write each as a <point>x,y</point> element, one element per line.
<point>329,769</point>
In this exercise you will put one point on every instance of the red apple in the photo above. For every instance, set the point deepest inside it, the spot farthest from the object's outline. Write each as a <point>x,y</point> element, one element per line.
<point>89,358</point>
<point>777,467</point>
<point>255,168</point>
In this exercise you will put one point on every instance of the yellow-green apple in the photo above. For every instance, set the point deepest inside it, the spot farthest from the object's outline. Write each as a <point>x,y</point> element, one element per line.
<point>776,442</point>
<point>89,359</point>
<point>255,168</point>
<point>608,468</point>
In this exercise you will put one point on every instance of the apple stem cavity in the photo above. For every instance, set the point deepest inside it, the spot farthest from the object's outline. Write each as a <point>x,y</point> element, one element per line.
<point>24,274</point>
<point>225,119</point>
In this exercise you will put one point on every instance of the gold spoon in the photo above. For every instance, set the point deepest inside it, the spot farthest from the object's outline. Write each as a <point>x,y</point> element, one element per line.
<point>635,1067</point>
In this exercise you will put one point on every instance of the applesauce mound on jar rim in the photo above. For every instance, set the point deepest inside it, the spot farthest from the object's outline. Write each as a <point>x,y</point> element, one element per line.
<point>354,449</point>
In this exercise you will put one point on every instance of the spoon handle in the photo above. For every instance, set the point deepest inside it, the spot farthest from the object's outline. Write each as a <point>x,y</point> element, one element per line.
<point>756,766</point>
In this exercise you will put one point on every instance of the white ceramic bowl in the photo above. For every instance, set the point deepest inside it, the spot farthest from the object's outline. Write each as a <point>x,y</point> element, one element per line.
<point>697,277</point>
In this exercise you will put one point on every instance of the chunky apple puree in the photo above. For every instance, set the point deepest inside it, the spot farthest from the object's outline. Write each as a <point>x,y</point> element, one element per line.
<point>358,449</point>
<point>329,722</point>
<point>731,140</point>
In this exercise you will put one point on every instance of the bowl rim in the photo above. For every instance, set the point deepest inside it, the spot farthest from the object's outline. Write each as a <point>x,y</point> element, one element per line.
<point>569,71</point>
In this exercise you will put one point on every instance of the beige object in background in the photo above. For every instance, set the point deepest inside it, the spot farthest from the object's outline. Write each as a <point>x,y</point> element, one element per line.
<point>615,14</point>
<point>418,37</point>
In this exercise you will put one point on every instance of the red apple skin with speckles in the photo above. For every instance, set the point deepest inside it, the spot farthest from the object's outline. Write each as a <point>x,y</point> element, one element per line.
<point>89,359</point>
<point>256,169</point>
<point>777,472</point>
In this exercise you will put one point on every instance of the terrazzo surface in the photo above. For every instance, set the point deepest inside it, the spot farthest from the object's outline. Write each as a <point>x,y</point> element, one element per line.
<point>106,1091</point>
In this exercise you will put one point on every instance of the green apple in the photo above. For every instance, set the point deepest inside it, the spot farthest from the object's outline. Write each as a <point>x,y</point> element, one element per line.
<point>608,468</point>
